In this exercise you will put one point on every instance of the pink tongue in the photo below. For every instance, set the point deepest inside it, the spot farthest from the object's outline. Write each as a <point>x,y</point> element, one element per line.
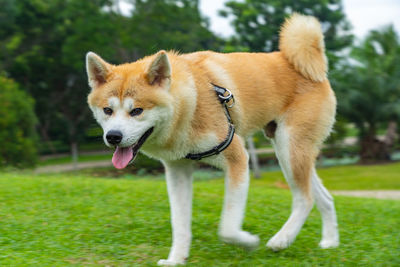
<point>122,156</point>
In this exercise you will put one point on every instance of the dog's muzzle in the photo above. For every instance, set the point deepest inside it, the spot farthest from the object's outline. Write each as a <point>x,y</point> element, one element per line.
<point>125,155</point>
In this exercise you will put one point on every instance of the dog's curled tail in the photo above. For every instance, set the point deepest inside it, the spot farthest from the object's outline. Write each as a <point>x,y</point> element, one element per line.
<point>302,43</point>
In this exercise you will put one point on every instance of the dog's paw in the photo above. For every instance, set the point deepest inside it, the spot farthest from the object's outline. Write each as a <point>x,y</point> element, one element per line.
<point>169,262</point>
<point>279,242</point>
<point>331,243</point>
<point>241,238</point>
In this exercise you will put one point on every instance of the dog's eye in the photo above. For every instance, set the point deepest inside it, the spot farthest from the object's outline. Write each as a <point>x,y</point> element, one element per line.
<point>108,111</point>
<point>136,111</point>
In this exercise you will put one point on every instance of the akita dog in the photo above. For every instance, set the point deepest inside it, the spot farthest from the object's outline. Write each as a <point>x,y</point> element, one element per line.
<point>202,105</point>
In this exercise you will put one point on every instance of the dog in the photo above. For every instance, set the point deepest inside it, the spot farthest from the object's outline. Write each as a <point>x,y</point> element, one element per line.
<point>183,108</point>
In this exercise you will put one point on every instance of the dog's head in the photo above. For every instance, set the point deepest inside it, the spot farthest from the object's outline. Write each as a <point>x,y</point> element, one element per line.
<point>131,102</point>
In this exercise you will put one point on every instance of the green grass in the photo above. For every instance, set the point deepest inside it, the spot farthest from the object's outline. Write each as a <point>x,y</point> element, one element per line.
<point>76,220</point>
<point>355,177</point>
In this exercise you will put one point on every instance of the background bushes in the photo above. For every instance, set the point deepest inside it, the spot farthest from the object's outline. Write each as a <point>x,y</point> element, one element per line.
<point>17,122</point>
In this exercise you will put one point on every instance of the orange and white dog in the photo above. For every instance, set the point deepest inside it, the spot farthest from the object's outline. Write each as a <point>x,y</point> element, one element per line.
<point>166,105</point>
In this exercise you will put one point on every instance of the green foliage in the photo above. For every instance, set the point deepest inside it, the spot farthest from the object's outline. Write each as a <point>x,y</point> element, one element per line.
<point>17,121</point>
<point>339,131</point>
<point>79,221</point>
<point>45,53</point>
<point>167,24</point>
<point>369,89</point>
<point>257,22</point>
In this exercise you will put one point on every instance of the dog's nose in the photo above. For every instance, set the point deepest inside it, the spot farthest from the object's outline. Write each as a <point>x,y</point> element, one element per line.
<point>114,137</point>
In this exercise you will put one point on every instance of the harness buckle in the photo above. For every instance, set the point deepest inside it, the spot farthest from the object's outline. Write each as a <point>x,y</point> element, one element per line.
<point>226,99</point>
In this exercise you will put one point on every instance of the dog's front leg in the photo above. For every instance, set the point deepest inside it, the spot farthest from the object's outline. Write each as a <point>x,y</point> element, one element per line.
<point>236,187</point>
<point>179,183</point>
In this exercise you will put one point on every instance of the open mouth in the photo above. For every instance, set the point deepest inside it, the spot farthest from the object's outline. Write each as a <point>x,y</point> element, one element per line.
<point>125,155</point>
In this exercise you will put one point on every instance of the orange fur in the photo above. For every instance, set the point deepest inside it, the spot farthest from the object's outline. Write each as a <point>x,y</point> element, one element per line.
<point>302,43</point>
<point>289,85</point>
<point>236,160</point>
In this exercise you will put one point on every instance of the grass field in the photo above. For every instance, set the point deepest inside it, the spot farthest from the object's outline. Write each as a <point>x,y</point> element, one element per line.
<point>76,220</point>
<point>354,177</point>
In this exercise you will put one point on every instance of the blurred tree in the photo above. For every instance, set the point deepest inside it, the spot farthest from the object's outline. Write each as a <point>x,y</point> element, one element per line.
<point>7,17</point>
<point>45,53</point>
<point>339,132</point>
<point>369,89</point>
<point>17,124</point>
<point>257,22</point>
<point>166,24</point>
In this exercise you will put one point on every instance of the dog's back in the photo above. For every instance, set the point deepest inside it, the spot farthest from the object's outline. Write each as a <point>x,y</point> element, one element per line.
<point>266,84</point>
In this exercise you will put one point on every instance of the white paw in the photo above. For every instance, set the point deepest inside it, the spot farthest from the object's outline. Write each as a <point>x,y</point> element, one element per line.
<point>331,243</point>
<point>279,242</point>
<point>169,262</point>
<point>242,238</point>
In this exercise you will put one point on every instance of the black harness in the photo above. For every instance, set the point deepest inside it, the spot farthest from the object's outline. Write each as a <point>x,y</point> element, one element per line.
<point>225,96</point>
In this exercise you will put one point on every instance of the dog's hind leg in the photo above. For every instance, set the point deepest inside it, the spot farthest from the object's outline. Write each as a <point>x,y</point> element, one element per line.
<point>179,183</point>
<point>236,188</point>
<point>324,201</point>
<point>297,161</point>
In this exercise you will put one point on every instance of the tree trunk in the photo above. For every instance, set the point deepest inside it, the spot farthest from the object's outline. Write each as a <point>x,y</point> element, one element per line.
<point>391,134</point>
<point>253,158</point>
<point>373,150</point>
<point>74,154</point>
<point>46,138</point>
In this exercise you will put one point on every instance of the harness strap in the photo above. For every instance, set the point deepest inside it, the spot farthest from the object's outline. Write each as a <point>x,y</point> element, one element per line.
<point>225,96</point>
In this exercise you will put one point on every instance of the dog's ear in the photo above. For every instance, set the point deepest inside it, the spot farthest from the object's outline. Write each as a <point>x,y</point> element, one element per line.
<point>159,72</point>
<point>97,70</point>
